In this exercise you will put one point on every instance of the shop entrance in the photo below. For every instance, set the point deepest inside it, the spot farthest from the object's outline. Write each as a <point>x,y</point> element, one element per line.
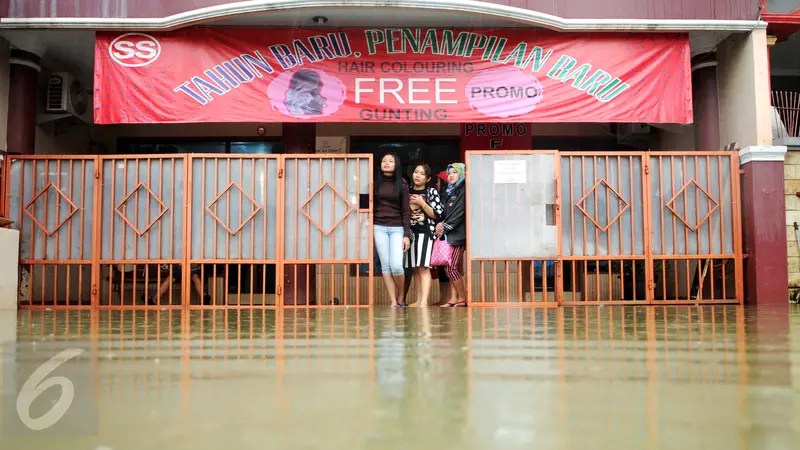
<point>265,231</point>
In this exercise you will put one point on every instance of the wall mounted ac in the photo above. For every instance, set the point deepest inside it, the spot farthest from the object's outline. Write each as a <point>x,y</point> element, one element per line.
<point>65,97</point>
<point>632,131</point>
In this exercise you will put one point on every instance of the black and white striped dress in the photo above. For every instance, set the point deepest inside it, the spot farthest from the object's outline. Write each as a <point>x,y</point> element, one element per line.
<point>419,255</point>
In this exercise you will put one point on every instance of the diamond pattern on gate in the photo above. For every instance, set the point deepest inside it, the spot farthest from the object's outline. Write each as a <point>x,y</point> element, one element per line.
<point>212,210</point>
<point>306,208</point>
<point>671,204</point>
<point>582,207</point>
<point>73,208</point>
<point>121,208</point>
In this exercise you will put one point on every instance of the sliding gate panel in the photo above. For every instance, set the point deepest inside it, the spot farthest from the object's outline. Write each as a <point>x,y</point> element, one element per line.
<point>327,245</point>
<point>512,226</point>
<point>604,227</point>
<point>233,237</point>
<point>142,230</point>
<point>51,201</point>
<point>695,226</point>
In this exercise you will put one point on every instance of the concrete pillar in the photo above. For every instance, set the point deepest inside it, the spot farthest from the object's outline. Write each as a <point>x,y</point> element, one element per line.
<point>745,110</point>
<point>299,138</point>
<point>22,101</point>
<point>764,225</point>
<point>745,118</point>
<point>705,102</point>
<point>9,269</point>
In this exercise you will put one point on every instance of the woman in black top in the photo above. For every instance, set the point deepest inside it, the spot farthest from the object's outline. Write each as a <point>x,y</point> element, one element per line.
<point>453,227</point>
<point>426,209</point>
<point>392,226</point>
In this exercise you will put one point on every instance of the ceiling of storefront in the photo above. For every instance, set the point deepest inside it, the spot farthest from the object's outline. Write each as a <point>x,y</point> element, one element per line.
<point>365,17</point>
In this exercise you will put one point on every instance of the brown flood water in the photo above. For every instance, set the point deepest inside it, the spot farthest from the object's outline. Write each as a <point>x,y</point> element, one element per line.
<point>571,378</point>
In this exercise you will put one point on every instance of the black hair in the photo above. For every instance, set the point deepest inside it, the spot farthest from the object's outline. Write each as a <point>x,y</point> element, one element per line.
<point>398,176</point>
<point>426,168</point>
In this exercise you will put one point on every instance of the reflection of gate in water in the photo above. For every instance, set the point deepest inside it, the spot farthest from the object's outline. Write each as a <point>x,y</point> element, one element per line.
<point>628,227</point>
<point>197,231</point>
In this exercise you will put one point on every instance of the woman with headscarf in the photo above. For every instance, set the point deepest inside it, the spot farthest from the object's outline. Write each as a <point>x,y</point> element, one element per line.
<point>453,228</point>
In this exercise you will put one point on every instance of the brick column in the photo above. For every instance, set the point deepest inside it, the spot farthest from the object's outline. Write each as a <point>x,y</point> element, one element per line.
<point>764,222</point>
<point>299,138</point>
<point>22,89</point>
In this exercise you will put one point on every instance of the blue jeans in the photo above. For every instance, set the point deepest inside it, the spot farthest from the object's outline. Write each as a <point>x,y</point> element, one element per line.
<point>389,244</point>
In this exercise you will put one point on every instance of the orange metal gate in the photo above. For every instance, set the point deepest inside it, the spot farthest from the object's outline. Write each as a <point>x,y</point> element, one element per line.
<point>624,228</point>
<point>52,202</point>
<point>199,231</point>
<point>327,244</point>
<point>252,231</point>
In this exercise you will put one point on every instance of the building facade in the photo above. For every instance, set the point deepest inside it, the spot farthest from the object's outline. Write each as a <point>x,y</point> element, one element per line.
<point>717,97</point>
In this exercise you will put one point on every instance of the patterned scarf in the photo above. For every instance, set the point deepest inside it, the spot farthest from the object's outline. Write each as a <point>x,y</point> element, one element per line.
<point>461,169</point>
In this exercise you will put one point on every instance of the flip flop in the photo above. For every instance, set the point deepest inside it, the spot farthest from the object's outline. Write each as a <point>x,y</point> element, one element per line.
<point>457,304</point>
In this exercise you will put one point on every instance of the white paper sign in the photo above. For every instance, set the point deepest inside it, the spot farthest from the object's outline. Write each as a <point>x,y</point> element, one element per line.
<point>332,144</point>
<point>510,172</point>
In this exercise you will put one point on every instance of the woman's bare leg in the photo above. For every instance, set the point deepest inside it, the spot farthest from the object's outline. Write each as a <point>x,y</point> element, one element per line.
<point>391,288</point>
<point>460,289</point>
<point>423,275</point>
<point>399,283</point>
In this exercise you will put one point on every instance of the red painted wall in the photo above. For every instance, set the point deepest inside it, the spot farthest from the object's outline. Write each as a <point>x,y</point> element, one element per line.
<point>764,233</point>
<point>573,9</point>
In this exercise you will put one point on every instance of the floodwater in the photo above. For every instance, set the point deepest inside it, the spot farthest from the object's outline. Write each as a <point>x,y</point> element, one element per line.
<point>568,378</point>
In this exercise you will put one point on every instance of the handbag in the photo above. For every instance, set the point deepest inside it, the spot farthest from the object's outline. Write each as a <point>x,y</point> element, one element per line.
<point>442,253</point>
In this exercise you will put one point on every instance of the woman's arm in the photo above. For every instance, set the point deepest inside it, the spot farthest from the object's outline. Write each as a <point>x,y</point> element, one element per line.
<point>434,207</point>
<point>405,210</point>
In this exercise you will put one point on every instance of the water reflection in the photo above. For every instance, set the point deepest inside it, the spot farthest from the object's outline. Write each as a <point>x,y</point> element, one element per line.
<point>585,377</point>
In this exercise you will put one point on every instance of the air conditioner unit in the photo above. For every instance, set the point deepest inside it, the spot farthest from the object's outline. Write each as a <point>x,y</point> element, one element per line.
<point>66,95</point>
<point>632,131</point>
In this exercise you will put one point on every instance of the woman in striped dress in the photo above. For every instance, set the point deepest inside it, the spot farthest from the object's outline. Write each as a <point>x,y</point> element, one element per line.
<point>426,209</point>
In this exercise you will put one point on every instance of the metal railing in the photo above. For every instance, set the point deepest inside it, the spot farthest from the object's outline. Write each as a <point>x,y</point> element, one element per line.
<point>606,228</point>
<point>273,231</point>
<point>786,108</point>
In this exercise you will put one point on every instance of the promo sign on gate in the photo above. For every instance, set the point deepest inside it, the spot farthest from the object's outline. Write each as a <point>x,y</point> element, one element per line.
<point>495,136</point>
<point>391,75</point>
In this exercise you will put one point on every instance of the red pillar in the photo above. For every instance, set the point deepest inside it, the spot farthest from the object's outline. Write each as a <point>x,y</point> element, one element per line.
<point>299,138</point>
<point>23,84</point>
<point>764,225</point>
<point>705,102</point>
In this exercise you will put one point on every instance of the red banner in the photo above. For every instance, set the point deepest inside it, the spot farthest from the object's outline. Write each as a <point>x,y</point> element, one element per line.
<point>391,75</point>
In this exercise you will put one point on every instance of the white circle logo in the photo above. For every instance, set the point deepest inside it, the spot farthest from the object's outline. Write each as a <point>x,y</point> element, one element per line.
<point>134,49</point>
